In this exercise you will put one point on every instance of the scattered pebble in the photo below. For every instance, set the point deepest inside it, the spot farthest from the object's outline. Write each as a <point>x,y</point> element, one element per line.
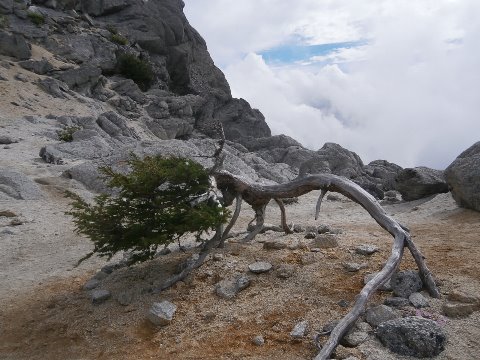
<point>258,340</point>
<point>100,296</point>
<point>91,284</point>
<point>418,300</point>
<point>299,330</point>
<point>260,267</point>
<point>366,249</point>
<point>161,314</point>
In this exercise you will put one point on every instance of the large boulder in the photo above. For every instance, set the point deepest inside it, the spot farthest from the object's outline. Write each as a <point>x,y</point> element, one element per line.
<point>104,7</point>
<point>420,182</point>
<point>383,172</point>
<point>14,45</point>
<point>16,185</point>
<point>412,336</point>
<point>463,178</point>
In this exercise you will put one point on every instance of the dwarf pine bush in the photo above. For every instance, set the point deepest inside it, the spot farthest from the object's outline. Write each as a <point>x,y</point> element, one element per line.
<point>156,204</point>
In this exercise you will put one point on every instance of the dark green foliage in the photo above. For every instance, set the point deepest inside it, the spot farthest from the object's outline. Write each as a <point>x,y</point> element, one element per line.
<point>136,69</point>
<point>112,29</point>
<point>3,21</point>
<point>36,18</point>
<point>66,134</point>
<point>154,206</point>
<point>119,39</point>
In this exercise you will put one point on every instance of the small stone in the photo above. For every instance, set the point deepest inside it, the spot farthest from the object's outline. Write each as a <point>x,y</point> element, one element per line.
<point>274,245</point>
<point>328,328</point>
<point>343,303</point>
<point>229,288</point>
<point>458,310</point>
<point>379,314</point>
<point>164,251</point>
<point>325,241</point>
<point>333,197</point>
<point>125,298</point>
<point>353,267</point>
<point>260,267</point>
<point>21,77</point>
<point>323,229</point>
<point>297,228</point>
<point>366,249</point>
<point>285,271</point>
<point>100,296</point>
<point>396,302</point>
<point>354,338</point>
<point>310,235</point>
<point>100,275</point>
<point>91,284</point>
<point>6,140</point>
<point>459,296</point>
<point>218,257</point>
<point>405,283</point>
<point>386,286</point>
<point>16,222</point>
<point>299,330</point>
<point>258,340</point>
<point>7,213</point>
<point>418,300</point>
<point>161,314</point>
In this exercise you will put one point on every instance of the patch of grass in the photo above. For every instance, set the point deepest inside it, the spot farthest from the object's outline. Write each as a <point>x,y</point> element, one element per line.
<point>36,18</point>
<point>136,69</point>
<point>113,30</point>
<point>4,22</point>
<point>67,133</point>
<point>119,39</point>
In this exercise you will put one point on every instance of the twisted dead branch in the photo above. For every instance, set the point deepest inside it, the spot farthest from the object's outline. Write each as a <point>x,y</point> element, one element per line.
<point>258,196</point>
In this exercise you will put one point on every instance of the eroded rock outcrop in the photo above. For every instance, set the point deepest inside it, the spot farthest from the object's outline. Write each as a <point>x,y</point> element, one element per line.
<point>420,182</point>
<point>463,178</point>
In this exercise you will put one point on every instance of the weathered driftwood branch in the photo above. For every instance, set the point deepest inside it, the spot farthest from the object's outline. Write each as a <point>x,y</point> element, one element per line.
<point>285,226</point>
<point>258,197</point>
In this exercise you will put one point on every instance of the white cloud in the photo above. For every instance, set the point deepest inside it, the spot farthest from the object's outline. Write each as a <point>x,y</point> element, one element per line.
<point>409,96</point>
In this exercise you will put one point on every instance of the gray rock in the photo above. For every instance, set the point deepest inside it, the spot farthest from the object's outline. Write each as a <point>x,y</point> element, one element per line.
<point>105,7</point>
<point>88,174</point>
<point>258,340</point>
<point>353,267</point>
<point>354,338</point>
<point>100,296</point>
<point>56,88</point>
<point>91,284</point>
<point>161,314</point>
<point>405,283</point>
<point>40,67</point>
<point>229,288</point>
<point>17,185</point>
<point>260,267</point>
<point>418,300</point>
<point>412,336</point>
<point>297,228</point>
<point>6,140</point>
<point>396,302</point>
<point>21,77</point>
<point>366,249</point>
<point>325,241</point>
<point>14,45</point>
<point>274,244</point>
<point>82,79</point>
<point>6,7</point>
<point>420,182</point>
<point>311,235</point>
<point>125,298</point>
<point>384,172</point>
<point>299,330</point>
<point>463,297</point>
<point>378,314</point>
<point>459,310</point>
<point>100,275</point>
<point>463,178</point>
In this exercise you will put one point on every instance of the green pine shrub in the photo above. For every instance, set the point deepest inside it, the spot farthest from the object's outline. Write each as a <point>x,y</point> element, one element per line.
<point>36,18</point>
<point>66,134</point>
<point>118,39</point>
<point>155,206</point>
<point>136,69</point>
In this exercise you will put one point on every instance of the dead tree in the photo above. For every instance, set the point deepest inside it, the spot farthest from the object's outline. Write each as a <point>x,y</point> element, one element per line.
<point>258,196</point>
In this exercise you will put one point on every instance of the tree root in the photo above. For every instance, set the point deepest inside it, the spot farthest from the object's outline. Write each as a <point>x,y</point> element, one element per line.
<point>258,197</point>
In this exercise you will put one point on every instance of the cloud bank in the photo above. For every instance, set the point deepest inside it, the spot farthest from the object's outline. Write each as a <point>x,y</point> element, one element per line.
<point>405,89</point>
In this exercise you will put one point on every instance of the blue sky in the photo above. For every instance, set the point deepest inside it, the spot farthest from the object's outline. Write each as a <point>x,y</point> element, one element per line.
<point>408,95</point>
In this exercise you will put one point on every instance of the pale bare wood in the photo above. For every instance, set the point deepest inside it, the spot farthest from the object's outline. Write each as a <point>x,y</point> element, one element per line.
<point>319,203</point>
<point>285,226</point>
<point>233,220</point>
<point>258,197</point>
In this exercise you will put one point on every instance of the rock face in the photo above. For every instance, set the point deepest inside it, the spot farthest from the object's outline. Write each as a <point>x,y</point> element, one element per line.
<point>14,45</point>
<point>420,182</point>
<point>463,178</point>
<point>412,336</point>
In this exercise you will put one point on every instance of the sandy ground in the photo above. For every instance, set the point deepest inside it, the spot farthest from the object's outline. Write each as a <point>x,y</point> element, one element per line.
<point>45,313</point>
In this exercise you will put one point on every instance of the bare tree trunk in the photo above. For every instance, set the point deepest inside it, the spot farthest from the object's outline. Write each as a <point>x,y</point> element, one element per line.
<point>285,226</point>
<point>258,197</point>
